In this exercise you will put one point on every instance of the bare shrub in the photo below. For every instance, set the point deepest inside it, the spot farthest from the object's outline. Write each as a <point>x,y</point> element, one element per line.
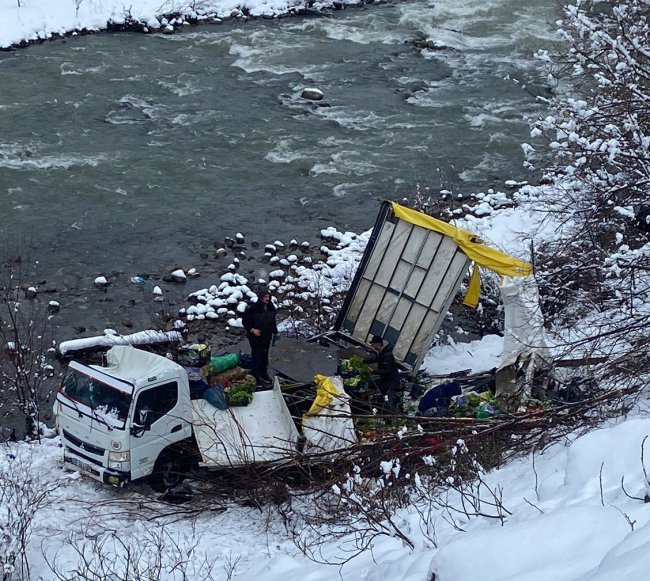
<point>154,554</point>
<point>355,512</point>
<point>440,481</point>
<point>22,495</point>
<point>435,466</point>
<point>26,345</point>
<point>595,274</point>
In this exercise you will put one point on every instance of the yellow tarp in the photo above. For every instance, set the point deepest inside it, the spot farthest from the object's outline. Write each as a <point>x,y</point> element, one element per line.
<point>480,254</point>
<point>325,392</point>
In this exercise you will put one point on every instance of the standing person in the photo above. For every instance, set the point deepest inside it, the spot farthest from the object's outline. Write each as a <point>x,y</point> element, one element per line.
<point>259,322</point>
<point>388,371</point>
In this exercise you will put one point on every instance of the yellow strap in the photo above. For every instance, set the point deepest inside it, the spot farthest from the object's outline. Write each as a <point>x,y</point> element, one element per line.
<point>474,288</point>
<point>429,222</point>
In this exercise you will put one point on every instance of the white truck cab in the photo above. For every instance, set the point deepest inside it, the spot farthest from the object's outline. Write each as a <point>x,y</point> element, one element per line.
<point>117,424</point>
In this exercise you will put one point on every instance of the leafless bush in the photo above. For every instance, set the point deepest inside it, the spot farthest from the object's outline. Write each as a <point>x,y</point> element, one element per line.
<point>154,554</point>
<point>22,495</point>
<point>26,345</point>
<point>595,274</point>
<point>436,466</point>
<point>442,480</point>
<point>464,494</point>
<point>355,512</point>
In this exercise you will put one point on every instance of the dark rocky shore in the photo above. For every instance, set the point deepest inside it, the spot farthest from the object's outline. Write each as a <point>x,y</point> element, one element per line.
<point>127,304</point>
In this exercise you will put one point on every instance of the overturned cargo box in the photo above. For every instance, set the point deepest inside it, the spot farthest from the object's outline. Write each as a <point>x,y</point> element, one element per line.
<point>408,276</point>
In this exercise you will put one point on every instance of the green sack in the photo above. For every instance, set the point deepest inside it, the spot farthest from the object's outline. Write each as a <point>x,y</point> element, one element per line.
<point>222,362</point>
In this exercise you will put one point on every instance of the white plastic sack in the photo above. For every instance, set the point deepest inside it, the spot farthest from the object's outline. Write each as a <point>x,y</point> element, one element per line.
<point>330,427</point>
<point>525,346</point>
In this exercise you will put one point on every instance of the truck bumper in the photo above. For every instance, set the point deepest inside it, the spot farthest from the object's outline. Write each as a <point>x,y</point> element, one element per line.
<point>72,461</point>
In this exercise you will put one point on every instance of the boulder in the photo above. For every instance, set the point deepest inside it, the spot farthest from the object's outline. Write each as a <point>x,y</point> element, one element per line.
<point>31,292</point>
<point>157,294</point>
<point>179,275</point>
<point>101,283</point>
<point>312,94</point>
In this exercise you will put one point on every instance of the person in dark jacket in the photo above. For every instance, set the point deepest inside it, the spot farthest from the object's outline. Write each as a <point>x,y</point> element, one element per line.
<point>388,380</point>
<point>259,322</point>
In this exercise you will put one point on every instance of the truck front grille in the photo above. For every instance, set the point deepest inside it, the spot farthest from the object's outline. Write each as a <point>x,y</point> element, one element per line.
<point>83,445</point>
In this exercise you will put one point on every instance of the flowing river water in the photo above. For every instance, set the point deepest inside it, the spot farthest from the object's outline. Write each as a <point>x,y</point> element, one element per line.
<point>127,153</point>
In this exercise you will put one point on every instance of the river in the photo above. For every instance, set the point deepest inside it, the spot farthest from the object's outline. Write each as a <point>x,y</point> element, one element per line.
<point>126,153</point>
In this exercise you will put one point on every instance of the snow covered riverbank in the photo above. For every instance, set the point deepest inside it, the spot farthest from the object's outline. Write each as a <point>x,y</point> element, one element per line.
<point>38,20</point>
<point>549,503</point>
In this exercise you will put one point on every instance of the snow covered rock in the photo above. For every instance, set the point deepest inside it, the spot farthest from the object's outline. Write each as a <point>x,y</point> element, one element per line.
<point>312,94</point>
<point>101,283</point>
<point>157,294</point>
<point>179,275</point>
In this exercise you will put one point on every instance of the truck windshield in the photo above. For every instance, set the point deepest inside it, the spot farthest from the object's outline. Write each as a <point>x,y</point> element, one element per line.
<point>96,399</point>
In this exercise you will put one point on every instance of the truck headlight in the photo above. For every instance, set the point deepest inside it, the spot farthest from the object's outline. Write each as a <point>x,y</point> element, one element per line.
<point>119,456</point>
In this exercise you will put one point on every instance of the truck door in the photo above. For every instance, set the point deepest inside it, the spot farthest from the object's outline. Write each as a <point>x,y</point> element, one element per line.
<point>157,422</point>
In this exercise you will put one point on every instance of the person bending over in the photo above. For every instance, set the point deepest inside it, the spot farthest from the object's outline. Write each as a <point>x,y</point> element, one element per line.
<point>388,380</point>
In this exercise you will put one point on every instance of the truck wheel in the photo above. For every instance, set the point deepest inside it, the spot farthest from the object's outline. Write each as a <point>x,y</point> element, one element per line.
<point>169,471</point>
